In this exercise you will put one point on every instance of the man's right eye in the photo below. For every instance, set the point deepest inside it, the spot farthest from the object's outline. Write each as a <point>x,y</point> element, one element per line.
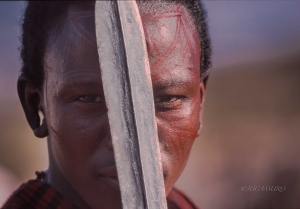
<point>90,99</point>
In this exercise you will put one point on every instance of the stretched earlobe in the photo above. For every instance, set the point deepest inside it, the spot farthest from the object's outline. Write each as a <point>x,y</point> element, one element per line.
<point>42,130</point>
<point>31,100</point>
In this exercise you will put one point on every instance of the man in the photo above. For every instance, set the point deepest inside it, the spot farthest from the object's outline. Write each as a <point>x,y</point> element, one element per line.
<point>60,81</point>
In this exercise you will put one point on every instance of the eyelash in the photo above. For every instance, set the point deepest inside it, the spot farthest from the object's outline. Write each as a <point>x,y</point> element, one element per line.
<point>169,102</point>
<point>165,102</point>
<point>96,99</point>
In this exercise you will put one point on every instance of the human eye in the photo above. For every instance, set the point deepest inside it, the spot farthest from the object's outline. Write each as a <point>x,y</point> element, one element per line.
<point>169,102</point>
<point>90,99</point>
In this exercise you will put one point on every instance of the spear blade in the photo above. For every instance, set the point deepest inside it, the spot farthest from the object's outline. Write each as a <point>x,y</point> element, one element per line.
<point>128,93</point>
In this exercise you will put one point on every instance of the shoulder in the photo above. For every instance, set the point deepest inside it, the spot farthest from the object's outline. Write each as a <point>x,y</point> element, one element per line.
<point>39,195</point>
<point>36,194</point>
<point>176,199</point>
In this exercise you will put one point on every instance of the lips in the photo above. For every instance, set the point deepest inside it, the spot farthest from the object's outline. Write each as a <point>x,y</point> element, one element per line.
<point>110,176</point>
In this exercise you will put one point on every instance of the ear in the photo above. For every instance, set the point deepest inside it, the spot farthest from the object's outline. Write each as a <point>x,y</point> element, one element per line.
<point>31,100</point>
<point>202,87</point>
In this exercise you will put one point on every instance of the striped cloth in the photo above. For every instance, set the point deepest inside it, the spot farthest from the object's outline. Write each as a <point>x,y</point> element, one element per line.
<point>35,194</point>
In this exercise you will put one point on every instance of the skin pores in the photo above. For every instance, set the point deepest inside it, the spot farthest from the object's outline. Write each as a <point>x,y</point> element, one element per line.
<point>82,165</point>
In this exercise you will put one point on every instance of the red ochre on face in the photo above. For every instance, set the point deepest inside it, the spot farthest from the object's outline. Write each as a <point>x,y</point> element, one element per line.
<point>82,164</point>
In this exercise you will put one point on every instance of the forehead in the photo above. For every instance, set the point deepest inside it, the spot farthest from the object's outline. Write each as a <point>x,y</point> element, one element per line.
<point>170,35</point>
<point>170,31</point>
<point>74,42</point>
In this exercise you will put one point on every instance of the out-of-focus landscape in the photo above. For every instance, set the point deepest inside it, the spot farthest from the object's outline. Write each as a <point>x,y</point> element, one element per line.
<point>251,122</point>
<point>250,138</point>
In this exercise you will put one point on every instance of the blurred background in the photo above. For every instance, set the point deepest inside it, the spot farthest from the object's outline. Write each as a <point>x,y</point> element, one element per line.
<point>251,124</point>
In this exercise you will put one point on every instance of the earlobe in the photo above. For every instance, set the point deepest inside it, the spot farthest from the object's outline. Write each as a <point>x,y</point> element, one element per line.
<point>42,130</point>
<point>31,100</point>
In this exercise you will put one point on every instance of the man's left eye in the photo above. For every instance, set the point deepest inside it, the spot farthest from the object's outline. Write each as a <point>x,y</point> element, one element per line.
<point>169,102</point>
<point>91,99</point>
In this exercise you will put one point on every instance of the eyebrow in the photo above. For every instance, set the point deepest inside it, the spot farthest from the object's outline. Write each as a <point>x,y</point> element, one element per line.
<point>172,83</point>
<point>83,82</point>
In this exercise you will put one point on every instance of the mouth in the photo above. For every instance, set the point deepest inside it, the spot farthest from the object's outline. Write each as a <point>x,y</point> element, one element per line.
<point>110,176</point>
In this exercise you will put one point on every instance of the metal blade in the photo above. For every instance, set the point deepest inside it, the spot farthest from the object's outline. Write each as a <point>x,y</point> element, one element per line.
<point>128,93</point>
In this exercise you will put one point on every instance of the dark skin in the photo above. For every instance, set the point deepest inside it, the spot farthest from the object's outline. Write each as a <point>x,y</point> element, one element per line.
<point>82,165</point>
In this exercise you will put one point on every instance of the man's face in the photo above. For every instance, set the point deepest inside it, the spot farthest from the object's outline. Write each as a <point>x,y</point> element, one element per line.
<point>76,113</point>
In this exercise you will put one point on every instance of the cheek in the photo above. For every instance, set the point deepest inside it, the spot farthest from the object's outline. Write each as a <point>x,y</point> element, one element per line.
<point>177,131</point>
<point>75,136</point>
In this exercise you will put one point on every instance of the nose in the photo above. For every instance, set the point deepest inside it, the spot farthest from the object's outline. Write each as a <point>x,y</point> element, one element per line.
<point>109,143</point>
